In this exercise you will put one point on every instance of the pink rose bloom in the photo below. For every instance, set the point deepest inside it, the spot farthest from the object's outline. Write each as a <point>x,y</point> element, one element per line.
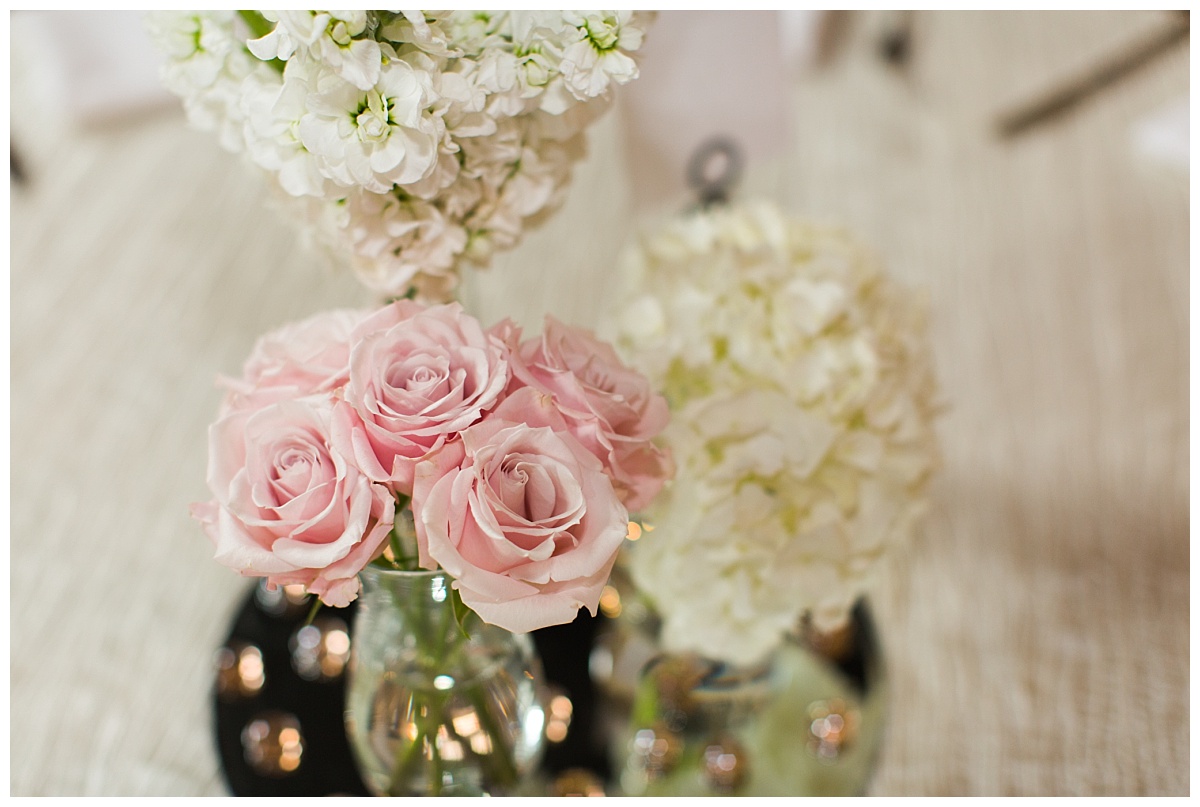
<point>609,407</point>
<point>299,359</point>
<point>418,377</point>
<point>524,518</point>
<point>287,506</point>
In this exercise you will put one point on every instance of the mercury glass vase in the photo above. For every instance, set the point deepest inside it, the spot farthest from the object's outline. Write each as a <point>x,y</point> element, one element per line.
<point>433,708</point>
<point>808,721</point>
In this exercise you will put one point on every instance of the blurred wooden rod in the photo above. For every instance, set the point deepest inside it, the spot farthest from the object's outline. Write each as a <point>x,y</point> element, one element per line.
<point>16,166</point>
<point>896,42</point>
<point>1063,98</point>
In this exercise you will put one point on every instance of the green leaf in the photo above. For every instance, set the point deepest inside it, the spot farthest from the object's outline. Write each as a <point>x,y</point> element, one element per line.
<point>461,611</point>
<point>259,25</point>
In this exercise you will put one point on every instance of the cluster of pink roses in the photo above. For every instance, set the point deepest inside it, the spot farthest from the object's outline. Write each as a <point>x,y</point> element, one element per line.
<point>520,460</point>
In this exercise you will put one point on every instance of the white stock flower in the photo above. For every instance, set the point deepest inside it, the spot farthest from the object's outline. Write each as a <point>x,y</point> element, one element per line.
<point>803,402</point>
<point>424,30</point>
<point>395,242</point>
<point>477,33</point>
<point>600,55</point>
<point>372,139</point>
<point>332,38</point>
<point>205,66</point>
<point>466,118</point>
<point>196,45</point>
<point>273,111</point>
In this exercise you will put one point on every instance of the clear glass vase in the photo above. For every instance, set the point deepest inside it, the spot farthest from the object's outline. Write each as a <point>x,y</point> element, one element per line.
<point>433,708</point>
<point>806,722</point>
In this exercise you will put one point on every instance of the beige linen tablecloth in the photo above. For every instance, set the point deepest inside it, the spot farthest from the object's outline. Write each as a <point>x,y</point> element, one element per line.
<point>1037,634</point>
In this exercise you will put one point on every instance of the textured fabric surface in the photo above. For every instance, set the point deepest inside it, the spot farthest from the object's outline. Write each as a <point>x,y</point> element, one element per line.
<point>1037,635</point>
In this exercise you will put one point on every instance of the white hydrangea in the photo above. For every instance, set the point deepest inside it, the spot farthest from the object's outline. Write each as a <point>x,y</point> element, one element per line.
<point>803,402</point>
<point>412,141</point>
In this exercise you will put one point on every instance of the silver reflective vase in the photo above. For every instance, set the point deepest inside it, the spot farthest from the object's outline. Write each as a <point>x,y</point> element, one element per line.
<point>808,721</point>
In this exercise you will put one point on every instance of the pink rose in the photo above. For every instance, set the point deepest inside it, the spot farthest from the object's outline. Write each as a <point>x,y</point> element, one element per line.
<point>418,376</point>
<point>299,359</point>
<point>524,518</point>
<point>609,407</point>
<point>288,506</point>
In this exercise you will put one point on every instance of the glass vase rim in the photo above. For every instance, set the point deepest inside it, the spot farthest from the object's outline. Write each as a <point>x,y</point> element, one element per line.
<point>406,574</point>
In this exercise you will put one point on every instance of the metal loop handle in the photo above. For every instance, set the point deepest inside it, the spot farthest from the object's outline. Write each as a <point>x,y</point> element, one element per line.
<point>714,170</point>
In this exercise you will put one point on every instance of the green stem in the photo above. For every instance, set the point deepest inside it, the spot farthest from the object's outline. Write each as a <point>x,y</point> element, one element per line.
<point>400,549</point>
<point>505,769</point>
<point>312,612</point>
<point>438,716</point>
<point>435,756</point>
<point>441,639</point>
<point>404,764</point>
